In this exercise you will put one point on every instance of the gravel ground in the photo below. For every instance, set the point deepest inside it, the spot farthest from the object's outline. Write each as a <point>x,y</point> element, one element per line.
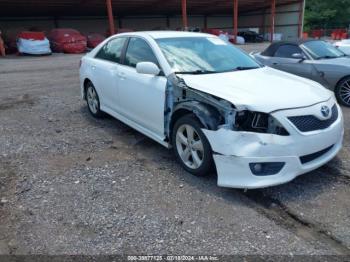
<point>71,184</point>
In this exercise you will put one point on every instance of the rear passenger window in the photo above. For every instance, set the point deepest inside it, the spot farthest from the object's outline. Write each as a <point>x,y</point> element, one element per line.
<point>287,51</point>
<point>139,51</point>
<point>112,51</point>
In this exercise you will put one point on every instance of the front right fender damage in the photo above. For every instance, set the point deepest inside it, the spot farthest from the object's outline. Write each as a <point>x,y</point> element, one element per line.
<point>250,149</point>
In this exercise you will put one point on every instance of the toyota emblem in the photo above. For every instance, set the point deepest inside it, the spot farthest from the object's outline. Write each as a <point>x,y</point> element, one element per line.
<point>325,111</point>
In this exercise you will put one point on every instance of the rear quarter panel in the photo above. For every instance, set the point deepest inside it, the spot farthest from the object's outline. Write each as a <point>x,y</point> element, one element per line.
<point>85,72</point>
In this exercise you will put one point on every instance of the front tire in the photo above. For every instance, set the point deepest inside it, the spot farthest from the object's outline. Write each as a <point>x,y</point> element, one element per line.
<point>342,92</point>
<point>93,101</point>
<point>191,146</point>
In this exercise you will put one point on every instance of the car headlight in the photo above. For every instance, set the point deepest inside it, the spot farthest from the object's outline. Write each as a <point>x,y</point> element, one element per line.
<point>259,122</point>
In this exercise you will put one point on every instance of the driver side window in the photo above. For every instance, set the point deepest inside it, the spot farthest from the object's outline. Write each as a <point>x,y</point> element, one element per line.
<point>287,51</point>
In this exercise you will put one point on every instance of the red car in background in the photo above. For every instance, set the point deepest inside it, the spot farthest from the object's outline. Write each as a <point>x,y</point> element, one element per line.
<point>94,39</point>
<point>66,40</point>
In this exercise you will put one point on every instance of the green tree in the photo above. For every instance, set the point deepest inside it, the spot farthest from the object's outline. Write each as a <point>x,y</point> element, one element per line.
<point>327,14</point>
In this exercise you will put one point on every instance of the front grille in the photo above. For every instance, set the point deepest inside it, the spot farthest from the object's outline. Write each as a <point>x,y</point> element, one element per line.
<point>311,123</point>
<point>308,158</point>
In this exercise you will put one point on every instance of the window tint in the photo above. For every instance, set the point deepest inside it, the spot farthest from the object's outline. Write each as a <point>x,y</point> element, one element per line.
<point>139,51</point>
<point>287,51</point>
<point>112,50</point>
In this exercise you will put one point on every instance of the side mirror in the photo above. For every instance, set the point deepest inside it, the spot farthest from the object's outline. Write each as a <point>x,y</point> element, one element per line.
<point>299,56</point>
<point>147,68</point>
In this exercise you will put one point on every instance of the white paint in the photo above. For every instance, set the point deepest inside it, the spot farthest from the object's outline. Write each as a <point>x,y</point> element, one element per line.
<point>264,89</point>
<point>139,99</point>
<point>233,151</point>
<point>147,68</point>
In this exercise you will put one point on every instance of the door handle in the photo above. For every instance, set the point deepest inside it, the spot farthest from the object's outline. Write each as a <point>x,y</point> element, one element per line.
<point>93,67</point>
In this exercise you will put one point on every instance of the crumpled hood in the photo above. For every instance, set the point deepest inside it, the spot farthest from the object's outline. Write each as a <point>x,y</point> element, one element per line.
<point>263,90</point>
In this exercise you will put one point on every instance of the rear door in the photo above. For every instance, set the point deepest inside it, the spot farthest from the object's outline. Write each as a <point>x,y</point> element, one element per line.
<point>106,66</point>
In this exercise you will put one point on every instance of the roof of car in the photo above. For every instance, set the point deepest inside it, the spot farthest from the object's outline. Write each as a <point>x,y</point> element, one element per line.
<point>167,34</point>
<point>271,49</point>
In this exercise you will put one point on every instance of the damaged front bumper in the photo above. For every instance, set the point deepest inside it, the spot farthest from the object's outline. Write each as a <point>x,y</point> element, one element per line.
<point>236,153</point>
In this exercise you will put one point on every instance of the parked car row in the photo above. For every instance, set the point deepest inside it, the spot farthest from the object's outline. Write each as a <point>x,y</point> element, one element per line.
<point>62,40</point>
<point>68,40</point>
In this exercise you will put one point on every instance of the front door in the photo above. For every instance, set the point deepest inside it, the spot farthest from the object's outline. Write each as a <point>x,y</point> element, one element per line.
<point>141,96</point>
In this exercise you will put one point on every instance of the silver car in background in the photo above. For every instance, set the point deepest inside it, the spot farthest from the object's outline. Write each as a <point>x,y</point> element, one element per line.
<point>314,59</point>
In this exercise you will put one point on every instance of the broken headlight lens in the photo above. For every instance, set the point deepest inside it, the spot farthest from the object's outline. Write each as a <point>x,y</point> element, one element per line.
<point>259,122</point>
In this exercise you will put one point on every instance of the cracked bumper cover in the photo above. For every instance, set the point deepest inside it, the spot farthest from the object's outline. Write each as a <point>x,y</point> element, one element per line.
<point>235,150</point>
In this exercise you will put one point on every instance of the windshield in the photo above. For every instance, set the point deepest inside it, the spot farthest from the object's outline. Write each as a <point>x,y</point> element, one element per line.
<point>321,49</point>
<point>203,55</point>
<point>345,49</point>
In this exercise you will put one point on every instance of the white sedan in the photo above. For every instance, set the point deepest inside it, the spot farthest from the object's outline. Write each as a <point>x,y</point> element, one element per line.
<point>344,46</point>
<point>214,105</point>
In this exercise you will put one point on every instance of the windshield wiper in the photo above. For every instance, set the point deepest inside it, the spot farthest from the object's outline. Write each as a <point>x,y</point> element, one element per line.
<point>196,72</point>
<point>239,68</point>
<point>326,57</point>
<point>202,72</point>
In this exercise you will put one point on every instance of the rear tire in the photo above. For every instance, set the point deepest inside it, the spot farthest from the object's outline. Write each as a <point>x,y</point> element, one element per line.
<point>93,101</point>
<point>191,147</point>
<point>342,92</point>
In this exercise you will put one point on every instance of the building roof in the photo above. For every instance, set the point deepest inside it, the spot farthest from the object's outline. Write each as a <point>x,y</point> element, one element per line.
<point>12,8</point>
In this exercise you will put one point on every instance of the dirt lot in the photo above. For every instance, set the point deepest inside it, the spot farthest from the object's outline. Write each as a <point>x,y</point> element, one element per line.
<point>71,184</point>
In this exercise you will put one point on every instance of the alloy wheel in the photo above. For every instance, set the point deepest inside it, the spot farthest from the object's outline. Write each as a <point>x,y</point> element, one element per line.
<point>189,146</point>
<point>344,92</point>
<point>92,99</point>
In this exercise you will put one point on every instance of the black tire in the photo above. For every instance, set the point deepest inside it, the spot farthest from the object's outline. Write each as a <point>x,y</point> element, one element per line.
<point>342,91</point>
<point>95,110</point>
<point>207,164</point>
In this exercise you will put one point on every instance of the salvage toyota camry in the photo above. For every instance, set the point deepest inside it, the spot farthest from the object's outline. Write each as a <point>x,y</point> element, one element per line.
<point>214,105</point>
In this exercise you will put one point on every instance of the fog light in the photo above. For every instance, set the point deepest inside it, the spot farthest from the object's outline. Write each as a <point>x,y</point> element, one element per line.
<point>256,168</point>
<point>266,168</point>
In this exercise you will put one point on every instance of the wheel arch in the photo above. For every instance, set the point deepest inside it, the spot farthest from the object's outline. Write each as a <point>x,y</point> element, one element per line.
<point>208,116</point>
<point>340,80</point>
<point>337,92</point>
<point>85,83</point>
